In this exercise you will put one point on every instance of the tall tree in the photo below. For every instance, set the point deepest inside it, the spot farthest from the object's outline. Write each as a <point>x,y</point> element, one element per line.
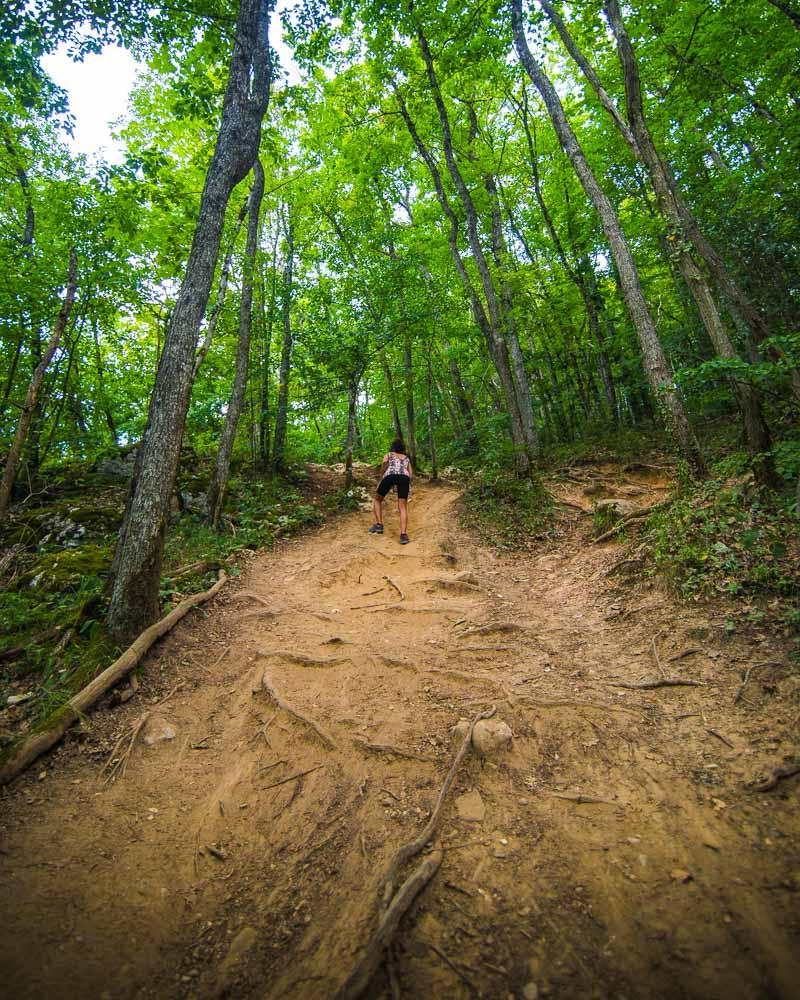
<point>136,568</point>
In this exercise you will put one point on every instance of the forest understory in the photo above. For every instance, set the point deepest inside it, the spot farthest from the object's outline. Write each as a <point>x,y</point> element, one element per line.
<point>638,837</point>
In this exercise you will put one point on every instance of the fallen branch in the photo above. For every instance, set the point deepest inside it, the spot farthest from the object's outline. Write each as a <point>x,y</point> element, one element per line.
<point>282,703</point>
<point>292,777</point>
<point>415,846</point>
<point>753,666</point>
<point>118,765</point>
<point>721,738</point>
<point>584,799</point>
<point>659,683</point>
<point>358,981</point>
<point>459,972</point>
<point>778,774</point>
<point>36,745</point>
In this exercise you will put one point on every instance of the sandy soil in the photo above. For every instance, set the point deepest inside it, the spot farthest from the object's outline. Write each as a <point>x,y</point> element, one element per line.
<point>617,849</point>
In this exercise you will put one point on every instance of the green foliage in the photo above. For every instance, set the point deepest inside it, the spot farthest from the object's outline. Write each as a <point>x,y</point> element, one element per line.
<point>726,538</point>
<point>507,513</point>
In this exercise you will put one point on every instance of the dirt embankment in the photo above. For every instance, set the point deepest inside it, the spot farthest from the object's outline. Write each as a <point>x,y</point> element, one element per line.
<point>615,849</point>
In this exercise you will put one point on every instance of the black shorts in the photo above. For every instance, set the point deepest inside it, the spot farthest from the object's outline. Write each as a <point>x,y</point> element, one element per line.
<point>403,484</point>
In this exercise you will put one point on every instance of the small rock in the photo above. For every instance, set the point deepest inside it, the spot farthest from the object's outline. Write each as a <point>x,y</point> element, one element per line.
<point>470,807</point>
<point>681,875</point>
<point>18,699</point>
<point>157,730</point>
<point>491,735</point>
<point>42,775</point>
<point>530,991</point>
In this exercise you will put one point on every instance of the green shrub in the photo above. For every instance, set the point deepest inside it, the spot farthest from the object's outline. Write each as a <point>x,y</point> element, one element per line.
<point>723,538</point>
<point>507,512</point>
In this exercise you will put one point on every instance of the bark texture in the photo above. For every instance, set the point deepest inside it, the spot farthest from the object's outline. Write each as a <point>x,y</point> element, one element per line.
<point>136,569</point>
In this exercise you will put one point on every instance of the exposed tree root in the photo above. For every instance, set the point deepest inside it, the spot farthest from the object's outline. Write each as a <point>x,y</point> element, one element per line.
<point>390,581</point>
<point>358,981</point>
<point>415,846</point>
<point>638,516</point>
<point>778,774</point>
<point>492,627</point>
<point>660,682</point>
<point>387,748</point>
<point>302,660</point>
<point>36,745</point>
<point>282,703</point>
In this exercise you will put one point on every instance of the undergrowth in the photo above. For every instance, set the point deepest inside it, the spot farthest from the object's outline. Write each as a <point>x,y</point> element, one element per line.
<point>53,600</point>
<point>729,538</point>
<point>508,513</point>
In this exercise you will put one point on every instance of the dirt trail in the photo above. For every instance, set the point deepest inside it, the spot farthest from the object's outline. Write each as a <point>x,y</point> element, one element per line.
<point>675,880</point>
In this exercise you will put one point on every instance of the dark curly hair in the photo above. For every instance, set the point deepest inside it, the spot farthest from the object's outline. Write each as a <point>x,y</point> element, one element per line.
<point>398,447</point>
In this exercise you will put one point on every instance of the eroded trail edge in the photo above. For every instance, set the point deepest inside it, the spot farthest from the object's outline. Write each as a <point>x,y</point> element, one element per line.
<point>298,733</point>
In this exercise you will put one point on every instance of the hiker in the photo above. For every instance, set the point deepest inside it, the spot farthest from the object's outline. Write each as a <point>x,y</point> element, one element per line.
<point>395,471</point>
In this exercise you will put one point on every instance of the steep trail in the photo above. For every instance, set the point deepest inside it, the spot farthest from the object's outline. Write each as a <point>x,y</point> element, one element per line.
<point>242,857</point>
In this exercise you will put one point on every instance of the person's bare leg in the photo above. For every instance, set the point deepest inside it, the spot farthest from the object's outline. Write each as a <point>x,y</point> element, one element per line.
<point>377,508</point>
<point>403,508</point>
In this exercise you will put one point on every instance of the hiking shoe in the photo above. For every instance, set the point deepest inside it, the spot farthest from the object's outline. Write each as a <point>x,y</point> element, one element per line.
<point>404,539</point>
<point>376,529</point>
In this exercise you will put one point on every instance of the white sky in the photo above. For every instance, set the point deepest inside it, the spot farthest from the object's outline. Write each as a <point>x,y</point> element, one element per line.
<point>98,90</point>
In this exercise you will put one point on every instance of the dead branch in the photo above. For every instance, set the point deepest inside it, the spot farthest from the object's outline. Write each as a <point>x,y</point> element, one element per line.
<point>119,765</point>
<point>721,738</point>
<point>778,774</point>
<point>387,748</point>
<point>380,604</point>
<point>79,704</point>
<point>415,846</point>
<point>449,962</point>
<point>584,799</point>
<point>292,777</point>
<point>358,981</point>
<point>753,666</point>
<point>390,581</point>
<point>684,652</point>
<point>282,703</point>
<point>659,683</point>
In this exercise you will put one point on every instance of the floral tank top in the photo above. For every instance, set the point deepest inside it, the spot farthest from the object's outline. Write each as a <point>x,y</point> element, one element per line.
<point>398,464</point>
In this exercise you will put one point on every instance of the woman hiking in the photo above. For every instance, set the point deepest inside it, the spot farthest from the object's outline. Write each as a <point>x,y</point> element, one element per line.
<point>395,471</point>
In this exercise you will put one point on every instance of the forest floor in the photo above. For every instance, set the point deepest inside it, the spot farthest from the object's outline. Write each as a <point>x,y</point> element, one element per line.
<point>618,848</point>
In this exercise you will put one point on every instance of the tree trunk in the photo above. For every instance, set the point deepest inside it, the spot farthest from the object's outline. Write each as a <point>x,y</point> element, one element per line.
<point>101,388</point>
<point>282,406</point>
<point>219,478</point>
<point>222,290</point>
<point>431,438</point>
<point>656,367</point>
<point>525,447</point>
<point>411,434</point>
<point>28,407</point>
<point>387,374</point>
<point>267,321</point>
<point>756,430</point>
<point>136,568</point>
<point>352,398</point>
